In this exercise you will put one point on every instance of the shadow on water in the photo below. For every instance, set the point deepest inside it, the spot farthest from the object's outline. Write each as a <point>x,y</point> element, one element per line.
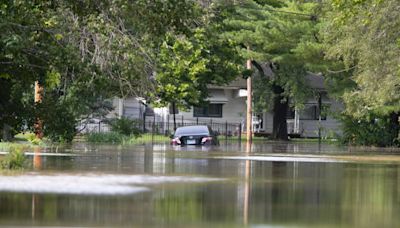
<point>234,185</point>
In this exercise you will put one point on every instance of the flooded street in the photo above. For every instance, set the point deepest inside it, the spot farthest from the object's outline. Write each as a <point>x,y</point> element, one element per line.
<point>267,185</point>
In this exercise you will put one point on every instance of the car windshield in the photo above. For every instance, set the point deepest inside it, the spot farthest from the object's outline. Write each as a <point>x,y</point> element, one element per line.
<point>192,130</point>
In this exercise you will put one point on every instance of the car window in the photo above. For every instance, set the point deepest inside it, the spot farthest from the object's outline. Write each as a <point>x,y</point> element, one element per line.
<point>192,130</point>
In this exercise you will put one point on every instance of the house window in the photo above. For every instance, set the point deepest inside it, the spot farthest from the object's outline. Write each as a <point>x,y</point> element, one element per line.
<point>310,112</point>
<point>210,110</point>
<point>290,113</point>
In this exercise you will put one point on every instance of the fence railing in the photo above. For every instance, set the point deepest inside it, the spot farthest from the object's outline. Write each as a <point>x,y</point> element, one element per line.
<point>163,129</point>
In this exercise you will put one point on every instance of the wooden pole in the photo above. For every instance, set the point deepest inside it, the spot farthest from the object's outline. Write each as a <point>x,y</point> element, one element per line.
<point>38,99</point>
<point>249,106</point>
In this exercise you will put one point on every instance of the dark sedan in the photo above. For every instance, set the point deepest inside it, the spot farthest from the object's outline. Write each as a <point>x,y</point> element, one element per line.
<point>194,135</point>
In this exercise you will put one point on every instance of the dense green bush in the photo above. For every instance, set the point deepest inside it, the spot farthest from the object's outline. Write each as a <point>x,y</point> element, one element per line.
<point>59,123</point>
<point>106,137</point>
<point>125,126</point>
<point>15,159</point>
<point>374,131</point>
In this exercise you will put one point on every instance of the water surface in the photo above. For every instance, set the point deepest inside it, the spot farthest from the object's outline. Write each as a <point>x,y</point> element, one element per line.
<point>268,185</point>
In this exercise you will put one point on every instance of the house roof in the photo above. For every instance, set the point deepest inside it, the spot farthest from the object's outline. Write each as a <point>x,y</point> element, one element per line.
<point>217,97</point>
<point>315,81</point>
<point>238,83</point>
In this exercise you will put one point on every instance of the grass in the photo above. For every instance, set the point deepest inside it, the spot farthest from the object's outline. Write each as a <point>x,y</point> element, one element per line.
<point>14,160</point>
<point>22,141</point>
<point>29,137</point>
<point>116,138</point>
<point>7,146</point>
<point>314,140</point>
<point>106,137</point>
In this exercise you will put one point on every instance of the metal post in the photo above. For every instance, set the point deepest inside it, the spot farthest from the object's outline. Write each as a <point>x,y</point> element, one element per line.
<point>197,121</point>
<point>174,113</point>
<point>226,130</point>
<point>144,122</point>
<point>168,124</point>
<point>240,132</point>
<point>319,116</point>
<point>154,120</point>
<point>152,132</point>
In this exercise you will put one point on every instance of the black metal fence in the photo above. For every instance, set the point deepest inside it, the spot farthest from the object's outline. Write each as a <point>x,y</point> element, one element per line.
<point>162,130</point>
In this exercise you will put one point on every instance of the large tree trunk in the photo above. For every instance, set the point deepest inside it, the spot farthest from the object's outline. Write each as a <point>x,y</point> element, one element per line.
<point>280,109</point>
<point>395,127</point>
<point>6,133</point>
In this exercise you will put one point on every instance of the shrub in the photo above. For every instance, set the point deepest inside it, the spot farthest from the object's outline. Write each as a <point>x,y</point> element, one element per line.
<point>105,137</point>
<point>59,119</point>
<point>32,139</point>
<point>15,159</point>
<point>125,126</point>
<point>375,131</point>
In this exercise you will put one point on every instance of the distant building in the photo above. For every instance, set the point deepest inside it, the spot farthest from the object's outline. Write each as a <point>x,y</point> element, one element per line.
<point>228,104</point>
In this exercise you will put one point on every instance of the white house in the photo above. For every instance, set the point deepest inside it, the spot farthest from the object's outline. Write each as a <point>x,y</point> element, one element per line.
<point>227,104</point>
<point>307,122</point>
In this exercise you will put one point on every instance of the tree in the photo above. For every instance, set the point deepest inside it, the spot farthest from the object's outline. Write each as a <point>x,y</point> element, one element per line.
<point>363,35</point>
<point>283,46</point>
<point>187,63</point>
<point>82,53</point>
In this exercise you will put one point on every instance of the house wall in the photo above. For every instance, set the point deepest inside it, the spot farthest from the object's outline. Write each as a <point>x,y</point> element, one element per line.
<point>329,127</point>
<point>309,128</point>
<point>233,111</point>
<point>129,107</point>
<point>133,108</point>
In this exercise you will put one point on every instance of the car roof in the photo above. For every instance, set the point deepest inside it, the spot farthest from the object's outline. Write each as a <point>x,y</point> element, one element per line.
<point>196,130</point>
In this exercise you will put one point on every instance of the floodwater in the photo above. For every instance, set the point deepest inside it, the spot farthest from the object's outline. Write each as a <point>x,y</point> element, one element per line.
<point>234,185</point>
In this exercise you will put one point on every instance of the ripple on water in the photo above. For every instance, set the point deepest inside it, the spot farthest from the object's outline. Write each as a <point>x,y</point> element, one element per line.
<point>89,184</point>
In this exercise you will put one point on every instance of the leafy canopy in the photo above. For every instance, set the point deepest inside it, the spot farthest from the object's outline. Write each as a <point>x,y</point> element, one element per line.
<point>364,35</point>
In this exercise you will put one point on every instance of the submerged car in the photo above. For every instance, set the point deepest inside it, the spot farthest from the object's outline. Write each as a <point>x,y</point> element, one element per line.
<point>194,135</point>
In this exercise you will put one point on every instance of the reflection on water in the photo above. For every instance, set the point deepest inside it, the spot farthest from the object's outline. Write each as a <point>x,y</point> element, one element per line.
<point>263,192</point>
<point>88,184</point>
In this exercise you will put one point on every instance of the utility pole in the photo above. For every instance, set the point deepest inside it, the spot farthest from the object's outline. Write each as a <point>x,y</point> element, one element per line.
<point>249,116</point>
<point>38,99</point>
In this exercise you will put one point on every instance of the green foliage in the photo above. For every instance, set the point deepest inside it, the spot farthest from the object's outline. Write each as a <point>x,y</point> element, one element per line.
<point>116,138</point>
<point>81,53</point>
<point>106,137</point>
<point>363,35</point>
<point>15,107</point>
<point>187,65</point>
<point>31,137</point>
<point>59,123</point>
<point>15,159</point>
<point>374,131</point>
<point>85,52</point>
<point>288,41</point>
<point>125,126</point>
